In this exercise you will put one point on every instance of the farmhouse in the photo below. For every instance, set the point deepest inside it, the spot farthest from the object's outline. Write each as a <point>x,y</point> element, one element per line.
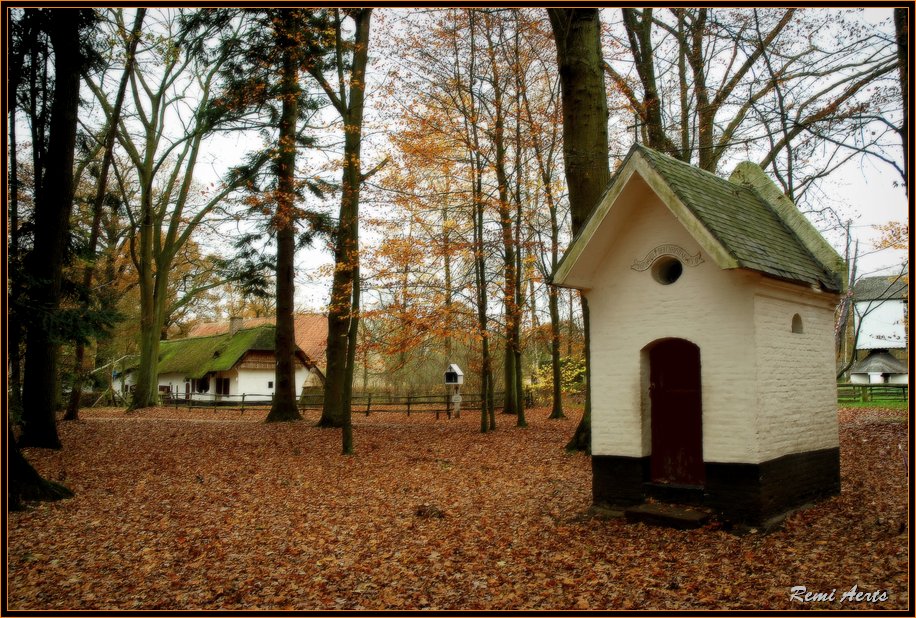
<point>225,365</point>
<point>311,333</point>
<point>711,308</point>
<point>880,314</point>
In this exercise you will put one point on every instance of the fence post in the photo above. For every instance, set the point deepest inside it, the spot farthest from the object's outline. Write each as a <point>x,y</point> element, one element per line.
<point>243,403</point>
<point>448,406</point>
<point>368,404</point>
<point>408,405</point>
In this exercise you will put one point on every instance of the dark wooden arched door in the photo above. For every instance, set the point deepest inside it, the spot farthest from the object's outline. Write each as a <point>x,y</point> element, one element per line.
<point>677,413</point>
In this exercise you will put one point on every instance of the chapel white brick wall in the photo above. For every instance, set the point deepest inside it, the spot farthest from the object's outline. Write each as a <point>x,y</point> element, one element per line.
<point>707,306</point>
<point>796,383</point>
<point>721,312</point>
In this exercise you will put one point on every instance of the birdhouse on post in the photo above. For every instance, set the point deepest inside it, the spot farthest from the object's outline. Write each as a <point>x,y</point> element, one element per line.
<point>454,378</point>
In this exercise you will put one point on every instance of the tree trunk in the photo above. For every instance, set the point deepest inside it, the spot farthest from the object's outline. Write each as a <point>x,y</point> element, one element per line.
<point>585,147</point>
<point>582,438</point>
<point>557,410</point>
<point>145,395</point>
<point>79,370</point>
<point>24,482</point>
<point>14,323</point>
<point>283,407</point>
<point>52,224</point>
<point>552,291</point>
<point>638,25</point>
<point>352,335</point>
<point>510,274</point>
<point>902,31</point>
<point>346,252</point>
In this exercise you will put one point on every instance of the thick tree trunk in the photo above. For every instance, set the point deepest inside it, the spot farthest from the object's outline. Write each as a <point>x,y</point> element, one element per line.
<point>25,483</point>
<point>52,223</point>
<point>284,407</point>
<point>585,146</point>
<point>145,392</point>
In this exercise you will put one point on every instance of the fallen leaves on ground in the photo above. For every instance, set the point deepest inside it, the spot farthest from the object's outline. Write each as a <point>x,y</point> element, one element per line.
<point>179,509</point>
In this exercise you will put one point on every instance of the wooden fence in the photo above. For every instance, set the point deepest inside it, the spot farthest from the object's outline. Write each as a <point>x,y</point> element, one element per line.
<point>365,404</point>
<point>872,392</point>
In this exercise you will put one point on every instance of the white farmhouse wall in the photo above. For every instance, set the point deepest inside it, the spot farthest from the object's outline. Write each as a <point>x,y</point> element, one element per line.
<point>174,381</point>
<point>629,310</point>
<point>256,382</point>
<point>883,324</point>
<point>796,383</point>
<point>250,382</point>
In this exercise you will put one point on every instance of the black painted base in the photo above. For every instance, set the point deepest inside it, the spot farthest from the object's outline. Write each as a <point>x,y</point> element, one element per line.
<point>747,493</point>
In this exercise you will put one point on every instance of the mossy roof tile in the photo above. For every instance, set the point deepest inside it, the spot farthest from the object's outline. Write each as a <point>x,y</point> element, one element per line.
<point>743,223</point>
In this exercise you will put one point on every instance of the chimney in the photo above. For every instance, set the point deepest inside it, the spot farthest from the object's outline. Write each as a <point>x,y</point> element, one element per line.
<point>235,323</point>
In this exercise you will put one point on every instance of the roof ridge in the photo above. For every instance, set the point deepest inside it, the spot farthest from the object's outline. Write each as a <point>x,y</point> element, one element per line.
<point>785,225</point>
<point>693,168</point>
<point>684,198</point>
<point>223,334</point>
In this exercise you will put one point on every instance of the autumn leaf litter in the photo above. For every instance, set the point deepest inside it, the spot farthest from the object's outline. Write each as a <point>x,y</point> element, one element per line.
<point>179,509</point>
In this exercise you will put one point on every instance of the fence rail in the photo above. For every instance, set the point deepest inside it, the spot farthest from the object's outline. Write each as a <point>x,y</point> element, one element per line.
<point>365,404</point>
<point>872,392</point>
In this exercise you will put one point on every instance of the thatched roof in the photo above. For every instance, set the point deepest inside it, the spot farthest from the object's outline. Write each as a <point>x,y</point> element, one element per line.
<point>311,333</point>
<point>195,357</point>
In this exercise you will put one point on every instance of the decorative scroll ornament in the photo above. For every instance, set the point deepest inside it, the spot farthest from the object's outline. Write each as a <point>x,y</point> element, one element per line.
<point>674,250</point>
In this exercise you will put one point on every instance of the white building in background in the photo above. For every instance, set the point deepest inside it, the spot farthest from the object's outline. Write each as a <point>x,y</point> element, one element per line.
<point>224,366</point>
<point>880,313</point>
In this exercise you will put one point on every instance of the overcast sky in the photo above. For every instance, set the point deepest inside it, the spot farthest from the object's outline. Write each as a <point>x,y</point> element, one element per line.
<point>865,193</point>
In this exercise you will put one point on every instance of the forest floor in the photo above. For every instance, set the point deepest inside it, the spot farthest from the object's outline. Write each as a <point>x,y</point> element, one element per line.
<point>178,509</point>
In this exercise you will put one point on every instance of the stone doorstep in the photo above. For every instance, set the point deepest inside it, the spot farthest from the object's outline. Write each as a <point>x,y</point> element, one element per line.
<point>668,515</point>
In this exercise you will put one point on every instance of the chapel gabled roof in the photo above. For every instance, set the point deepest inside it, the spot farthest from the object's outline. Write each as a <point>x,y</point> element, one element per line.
<point>739,222</point>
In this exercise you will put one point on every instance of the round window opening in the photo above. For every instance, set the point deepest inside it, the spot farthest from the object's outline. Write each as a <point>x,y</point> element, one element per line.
<point>667,270</point>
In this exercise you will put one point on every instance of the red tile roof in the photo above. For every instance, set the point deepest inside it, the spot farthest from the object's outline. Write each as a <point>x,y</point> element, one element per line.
<point>311,333</point>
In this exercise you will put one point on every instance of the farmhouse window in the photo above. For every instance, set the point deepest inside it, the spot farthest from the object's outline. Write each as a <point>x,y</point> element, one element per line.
<point>222,386</point>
